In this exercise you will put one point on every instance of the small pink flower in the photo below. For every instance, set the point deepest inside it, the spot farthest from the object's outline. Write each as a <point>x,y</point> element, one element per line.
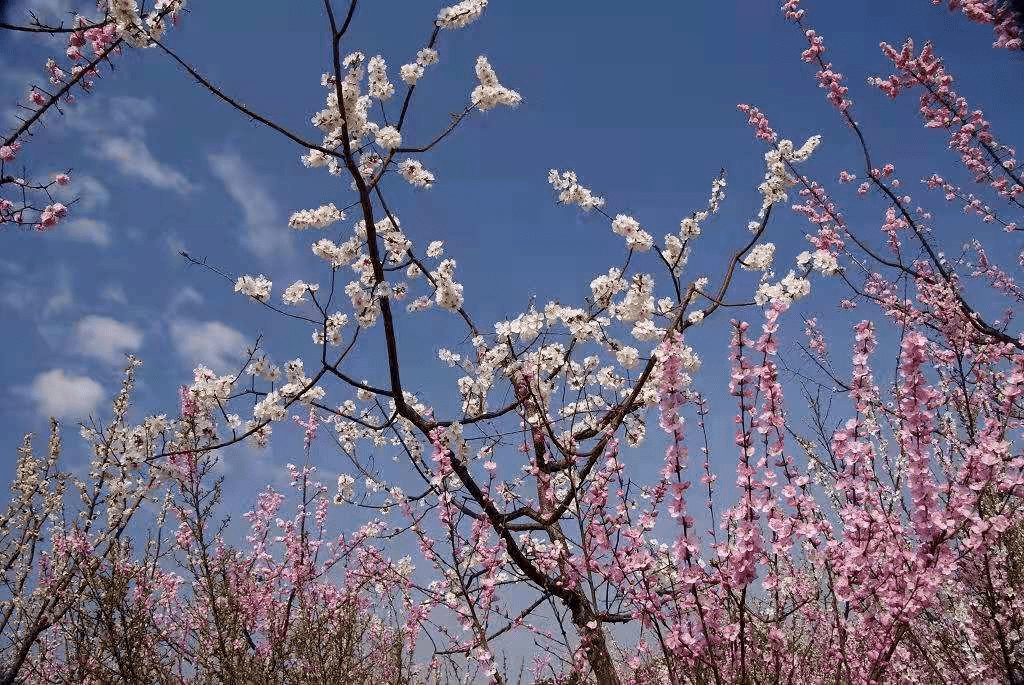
<point>9,152</point>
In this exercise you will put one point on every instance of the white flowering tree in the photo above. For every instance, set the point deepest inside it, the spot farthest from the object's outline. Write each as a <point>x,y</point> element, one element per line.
<point>531,519</point>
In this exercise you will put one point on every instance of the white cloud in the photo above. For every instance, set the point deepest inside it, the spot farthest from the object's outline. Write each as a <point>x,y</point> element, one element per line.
<point>264,232</point>
<point>212,343</point>
<point>117,124</point>
<point>114,292</point>
<point>37,294</point>
<point>86,231</point>
<point>62,296</point>
<point>132,157</point>
<point>65,395</point>
<point>46,10</point>
<point>184,297</point>
<point>106,339</point>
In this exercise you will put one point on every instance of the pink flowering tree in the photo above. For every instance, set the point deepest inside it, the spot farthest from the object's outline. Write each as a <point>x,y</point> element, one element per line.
<point>874,531</point>
<point>25,199</point>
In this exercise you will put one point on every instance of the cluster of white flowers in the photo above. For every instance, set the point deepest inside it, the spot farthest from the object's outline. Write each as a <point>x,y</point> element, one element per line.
<point>355,119</point>
<point>448,293</point>
<point>822,261</point>
<point>413,72</point>
<point>629,228</point>
<point>435,250</point>
<point>605,287</point>
<point>570,192</point>
<point>776,177</point>
<point>346,488</point>
<point>321,217</point>
<point>208,389</point>
<point>628,357</point>
<point>335,323</point>
<point>366,306</point>
<point>690,227</point>
<point>638,304</point>
<point>676,253</point>
<point>316,158</point>
<point>388,138</point>
<point>473,391</point>
<point>257,287</point>
<point>527,326</point>
<point>336,255</point>
<point>130,26</point>
<point>646,331</point>
<point>273,407</point>
<point>369,163</point>
<point>460,14</point>
<point>759,258</point>
<point>490,93</point>
<point>413,172</point>
<point>677,247</point>
<point>264,369</point>
<point>790,288</point>
<point>296,292</point>
<point>380,87</point>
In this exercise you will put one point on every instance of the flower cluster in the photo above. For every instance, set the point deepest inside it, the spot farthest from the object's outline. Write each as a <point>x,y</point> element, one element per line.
<point>490,93</point>
<point>570,192</point>
<point>321,217</point>
<point>257,287</point>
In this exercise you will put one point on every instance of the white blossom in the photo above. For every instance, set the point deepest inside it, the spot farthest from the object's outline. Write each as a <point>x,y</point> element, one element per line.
<point>296,292</point>
<point>825,263</point>
<point>460,14</point>
<point>448,293</point>
<point>389,138</point>
<point>380,87</point>
<point>315,158</point>
<point>257,287</point>
<point>435,250</point>
<point>629,228</point>
<point>776,177</point>
<point>337,255</point>
<point>426,57</point>
<point>321,217</point>
<point>413,172</point>
<point>629,357</point>
<point>346,486</point>
<point>490,93</point>
<point>759,258</point>
<point>570,192</point>
<point>410,73</point>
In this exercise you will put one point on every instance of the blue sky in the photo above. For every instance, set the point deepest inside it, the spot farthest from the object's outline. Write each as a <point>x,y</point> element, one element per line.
<point>642,104</point>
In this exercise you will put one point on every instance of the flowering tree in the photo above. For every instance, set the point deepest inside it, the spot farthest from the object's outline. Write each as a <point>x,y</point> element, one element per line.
<point>885,545</point>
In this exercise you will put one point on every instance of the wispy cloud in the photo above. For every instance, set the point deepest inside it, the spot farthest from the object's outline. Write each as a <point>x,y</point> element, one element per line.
<point>106,339</point>
<point>86,231</point>
<point>264,233</point>
<point>65,395</point>
<point>184,297</point>
<point>37,294</point>
<point>118,123</point>
<point>46,10</point>
<point>114,292</point>
<point>132,157</point>
<point>211,343</point>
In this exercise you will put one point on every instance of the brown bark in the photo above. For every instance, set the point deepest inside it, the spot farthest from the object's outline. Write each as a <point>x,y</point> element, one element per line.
<point>595,644</point>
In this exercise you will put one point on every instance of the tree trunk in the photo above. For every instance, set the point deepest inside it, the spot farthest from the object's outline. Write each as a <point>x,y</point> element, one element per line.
<point>595,645</point>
